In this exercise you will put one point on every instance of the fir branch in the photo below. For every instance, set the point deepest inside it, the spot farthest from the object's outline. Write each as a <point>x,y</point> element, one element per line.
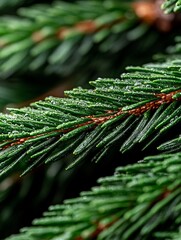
<point>55,36</point>
<point>136,110</point>
<point>51,34</point>
<point>138,202</point>
<point>171,6</point>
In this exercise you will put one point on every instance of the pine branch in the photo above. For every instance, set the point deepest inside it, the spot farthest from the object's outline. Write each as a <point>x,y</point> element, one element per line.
<point>61,35</point>
<point>138,202</point>
<point>52,33</point>
<point>172,6</point>
<point>141,110</point>
<point>119,114</point>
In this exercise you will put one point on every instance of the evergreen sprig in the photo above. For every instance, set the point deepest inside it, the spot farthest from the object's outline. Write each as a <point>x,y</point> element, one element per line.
<point>171,6</point>
<point>60,33</point>
<point>118,114</point>
<point>138,202</point>
<point>59,38</point>
<point>142,109</point>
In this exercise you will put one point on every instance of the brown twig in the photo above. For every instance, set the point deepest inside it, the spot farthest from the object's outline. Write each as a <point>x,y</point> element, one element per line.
<point>99,228</point>
<point>95,120</point>
<point>84,27</point>
<point>147,11</point>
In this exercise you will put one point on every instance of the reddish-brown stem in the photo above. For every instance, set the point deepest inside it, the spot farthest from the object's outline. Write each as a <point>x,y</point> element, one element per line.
<point>162,98</point>
<point>84,27</point>
<point>164,195</point>
<point>90,26</point>
<point>99,228</point>
<point>148,11</point>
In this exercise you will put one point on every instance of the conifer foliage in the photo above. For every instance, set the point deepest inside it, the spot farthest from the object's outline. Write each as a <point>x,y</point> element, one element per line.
<point>50,36</point>
<point>141,109</point>
<point>138,202</point>
<point>127,111</point>
<point>171,6</point>
<point>70,39</point>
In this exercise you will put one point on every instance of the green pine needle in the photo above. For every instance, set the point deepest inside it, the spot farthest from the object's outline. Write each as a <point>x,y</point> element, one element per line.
<point>136,110</point>
<point>170,6</point>
<point>61,33</point>
<point>136,203</point>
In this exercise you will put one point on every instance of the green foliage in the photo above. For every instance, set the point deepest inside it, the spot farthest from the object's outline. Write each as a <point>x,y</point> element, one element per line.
<point>139,111</point>
<point>64,37</point>
<point>73,40</point>
<point>49,34</point>
<point>171,235</point>
<point>118,114</point>
<point>172,6</point>
<point>136,203</point>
